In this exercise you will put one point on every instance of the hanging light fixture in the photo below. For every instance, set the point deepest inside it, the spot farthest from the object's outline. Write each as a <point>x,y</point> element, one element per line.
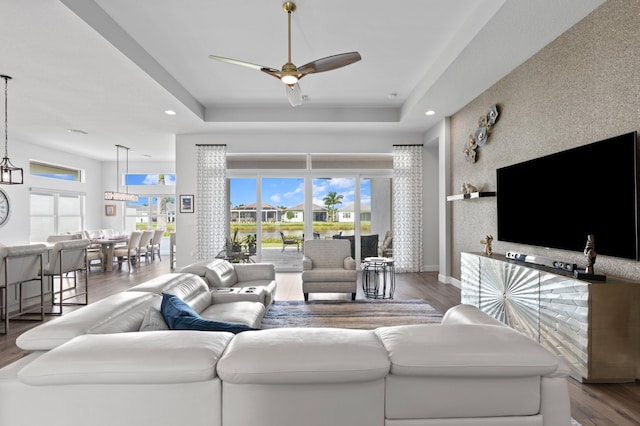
<point>9,174</point>
<point>117,195</point>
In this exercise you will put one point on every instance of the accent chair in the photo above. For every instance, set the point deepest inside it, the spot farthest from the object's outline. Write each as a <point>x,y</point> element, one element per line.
<point>328,267</point>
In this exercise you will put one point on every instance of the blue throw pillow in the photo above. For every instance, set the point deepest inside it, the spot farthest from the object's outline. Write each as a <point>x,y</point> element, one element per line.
<point>180,316</point>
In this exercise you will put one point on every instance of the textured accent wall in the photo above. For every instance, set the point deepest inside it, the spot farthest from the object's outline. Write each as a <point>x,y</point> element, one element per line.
<point>581,88</point>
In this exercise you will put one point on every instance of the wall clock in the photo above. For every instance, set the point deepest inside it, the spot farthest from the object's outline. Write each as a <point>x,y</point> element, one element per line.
<point>4,208</point>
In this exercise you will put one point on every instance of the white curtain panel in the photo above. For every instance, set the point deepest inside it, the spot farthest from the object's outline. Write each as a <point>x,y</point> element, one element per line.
<point>407,208</point>
<point>211,201</point>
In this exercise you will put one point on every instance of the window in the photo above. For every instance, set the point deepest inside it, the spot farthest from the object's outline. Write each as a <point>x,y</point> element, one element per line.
<point>149,179</point>
<point>53,171</point>
<point>55,213</point>
<point>151,212</point>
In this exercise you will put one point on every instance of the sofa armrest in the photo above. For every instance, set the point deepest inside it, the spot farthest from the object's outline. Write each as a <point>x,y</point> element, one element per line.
<point>468,314</point>
<point>307,264</point>
<point>255,271</point>
<point>350,263</point>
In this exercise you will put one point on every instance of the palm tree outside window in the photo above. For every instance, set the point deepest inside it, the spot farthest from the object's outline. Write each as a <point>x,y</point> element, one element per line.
<point>331,200</point>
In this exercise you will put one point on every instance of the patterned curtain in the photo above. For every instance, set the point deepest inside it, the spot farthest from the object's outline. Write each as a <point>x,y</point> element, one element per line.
<point>407,208</point>
<point>211,201</point>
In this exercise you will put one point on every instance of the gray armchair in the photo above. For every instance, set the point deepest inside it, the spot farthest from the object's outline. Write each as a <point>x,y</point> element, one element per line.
<point>327,267</point>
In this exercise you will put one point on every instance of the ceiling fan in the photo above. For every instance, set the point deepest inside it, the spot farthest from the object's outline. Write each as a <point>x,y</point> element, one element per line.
<point>290,74</point>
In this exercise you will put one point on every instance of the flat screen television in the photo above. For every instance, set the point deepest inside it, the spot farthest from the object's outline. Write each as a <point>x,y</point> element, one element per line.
<point>557,200</point>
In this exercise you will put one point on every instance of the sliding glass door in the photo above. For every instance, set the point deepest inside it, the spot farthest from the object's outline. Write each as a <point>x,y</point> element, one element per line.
<point>279,201</point>
<point>283,222</point>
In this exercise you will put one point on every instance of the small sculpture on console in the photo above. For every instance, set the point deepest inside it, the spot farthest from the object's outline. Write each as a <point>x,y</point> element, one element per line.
<point>590,253</point>
<point>467,188</point>
<point>487,244</point>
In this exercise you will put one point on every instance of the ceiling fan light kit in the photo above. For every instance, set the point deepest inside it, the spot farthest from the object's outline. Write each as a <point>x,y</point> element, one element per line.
<point>290,74</point>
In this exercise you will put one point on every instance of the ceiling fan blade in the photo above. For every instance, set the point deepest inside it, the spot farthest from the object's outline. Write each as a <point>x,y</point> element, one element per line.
<point>268,70</point>
<point>330,63</point>
<point>294,94</point>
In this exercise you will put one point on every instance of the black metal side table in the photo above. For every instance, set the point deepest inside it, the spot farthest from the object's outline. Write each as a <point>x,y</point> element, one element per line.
<point>378,277</point>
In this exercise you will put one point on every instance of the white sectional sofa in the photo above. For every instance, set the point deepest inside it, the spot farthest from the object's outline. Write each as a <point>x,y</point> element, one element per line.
<point>93,366</point>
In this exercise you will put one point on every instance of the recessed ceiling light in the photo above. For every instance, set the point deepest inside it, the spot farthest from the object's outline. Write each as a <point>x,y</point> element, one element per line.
<point>82,132</point>
<point>430,112</point>
<point>170,112</point>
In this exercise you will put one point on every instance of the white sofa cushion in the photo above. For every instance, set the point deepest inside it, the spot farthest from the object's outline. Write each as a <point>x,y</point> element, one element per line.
<point>188,287</point>
<point>304,355</point>
<point>243,312</point>
<point>134,358</point>
<point>119,313</point>
<point>464,350</point>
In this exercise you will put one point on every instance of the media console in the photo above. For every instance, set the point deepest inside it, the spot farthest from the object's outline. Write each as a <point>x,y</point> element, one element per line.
<point>594,326</point>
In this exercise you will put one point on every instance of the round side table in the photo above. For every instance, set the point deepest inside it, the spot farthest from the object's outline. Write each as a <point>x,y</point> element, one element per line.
<point>378,277</point>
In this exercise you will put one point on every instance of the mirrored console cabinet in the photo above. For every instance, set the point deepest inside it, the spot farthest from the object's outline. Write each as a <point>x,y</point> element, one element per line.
<point>594,326</point>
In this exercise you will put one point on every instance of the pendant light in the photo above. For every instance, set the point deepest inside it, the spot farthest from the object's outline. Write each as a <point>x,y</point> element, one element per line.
<point>117,195</point>
<point>9,174</point>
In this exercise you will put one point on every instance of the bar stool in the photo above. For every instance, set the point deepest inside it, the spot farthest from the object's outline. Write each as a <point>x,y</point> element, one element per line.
<point>20,264</point>
<point>65,257</point>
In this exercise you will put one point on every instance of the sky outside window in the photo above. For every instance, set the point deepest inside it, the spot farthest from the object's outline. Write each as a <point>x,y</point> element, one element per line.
<point>290,191</point>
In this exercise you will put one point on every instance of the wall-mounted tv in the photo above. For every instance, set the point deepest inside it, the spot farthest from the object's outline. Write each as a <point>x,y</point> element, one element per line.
<point>557,200</point>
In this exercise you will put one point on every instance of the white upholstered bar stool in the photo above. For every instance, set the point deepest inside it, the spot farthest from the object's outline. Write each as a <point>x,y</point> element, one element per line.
<point>67,257</point>
<point>18,265</point>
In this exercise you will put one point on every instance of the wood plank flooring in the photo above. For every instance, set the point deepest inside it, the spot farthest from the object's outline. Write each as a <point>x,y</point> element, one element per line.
<point>591,404</point>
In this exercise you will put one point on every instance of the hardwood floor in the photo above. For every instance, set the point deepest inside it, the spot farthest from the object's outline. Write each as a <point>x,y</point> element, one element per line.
<point>591,404</point>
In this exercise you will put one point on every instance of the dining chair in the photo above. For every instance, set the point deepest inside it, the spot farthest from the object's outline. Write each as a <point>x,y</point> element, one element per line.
<point>94,252</point>
<point>130,252</point>
<point>18,265</point>
<point>155,243</point>
<point>67,257</point>
<point>144,246</point>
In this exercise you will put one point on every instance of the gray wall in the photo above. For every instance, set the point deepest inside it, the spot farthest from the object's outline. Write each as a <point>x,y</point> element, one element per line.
<point>581,88</point>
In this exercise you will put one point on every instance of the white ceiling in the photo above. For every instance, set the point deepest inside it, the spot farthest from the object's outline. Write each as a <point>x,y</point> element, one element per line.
<point>112,67</point>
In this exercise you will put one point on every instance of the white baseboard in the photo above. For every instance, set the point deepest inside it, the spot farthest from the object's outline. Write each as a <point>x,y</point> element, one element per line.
<point>449,280</point>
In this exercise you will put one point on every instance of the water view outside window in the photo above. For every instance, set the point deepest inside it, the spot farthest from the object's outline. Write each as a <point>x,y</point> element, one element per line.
<point>281,215</point>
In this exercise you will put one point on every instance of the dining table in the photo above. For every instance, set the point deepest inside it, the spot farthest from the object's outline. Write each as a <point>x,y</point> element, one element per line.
<point>107,244</point>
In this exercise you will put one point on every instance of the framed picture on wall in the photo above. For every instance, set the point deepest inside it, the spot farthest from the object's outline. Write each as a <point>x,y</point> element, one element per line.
<point>110,210</point>
<point>186,204</point>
